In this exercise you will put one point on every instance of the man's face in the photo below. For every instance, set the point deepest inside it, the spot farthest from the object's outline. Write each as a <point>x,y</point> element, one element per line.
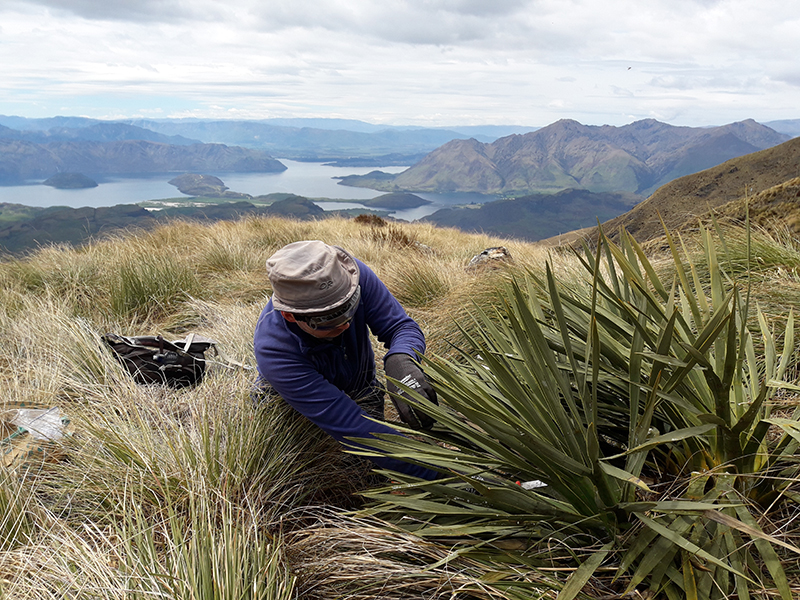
<point>319,333</point>
<point>323,333</point>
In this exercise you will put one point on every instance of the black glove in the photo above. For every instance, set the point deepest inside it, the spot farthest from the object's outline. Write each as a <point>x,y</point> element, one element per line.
<point>402,368</point>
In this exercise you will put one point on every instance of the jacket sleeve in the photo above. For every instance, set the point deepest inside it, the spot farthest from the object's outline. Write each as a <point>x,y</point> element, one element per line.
<point>387,319</point>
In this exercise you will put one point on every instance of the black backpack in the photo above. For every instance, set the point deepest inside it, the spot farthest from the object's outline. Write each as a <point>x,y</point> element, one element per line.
<point>152,359</point>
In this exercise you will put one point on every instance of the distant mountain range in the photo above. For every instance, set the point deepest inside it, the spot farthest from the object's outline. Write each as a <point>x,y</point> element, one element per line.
<point>21,159</point>
<point>636,158</point>
<point>513,160</point>
<point>790,127</point>
<point>92,132</point>
<point>317,143</point>
<point>300,139</point>
<point>769,180</point>
<point>558,179</point>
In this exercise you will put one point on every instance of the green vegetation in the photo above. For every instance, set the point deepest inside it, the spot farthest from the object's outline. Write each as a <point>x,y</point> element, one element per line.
<point>12,213</point>
<point>31,229</point>
<point>644,409</point>
<point>642,387</point>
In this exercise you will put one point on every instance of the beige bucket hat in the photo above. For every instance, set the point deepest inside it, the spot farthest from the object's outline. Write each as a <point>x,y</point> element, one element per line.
<point>311,277</point>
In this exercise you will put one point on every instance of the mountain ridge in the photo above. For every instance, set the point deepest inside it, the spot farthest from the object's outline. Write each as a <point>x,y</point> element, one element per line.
<point>692,197</point>
<point>93,132</point>
<point>21,160</point>
<point>637,158</point>
<point>293,138</point>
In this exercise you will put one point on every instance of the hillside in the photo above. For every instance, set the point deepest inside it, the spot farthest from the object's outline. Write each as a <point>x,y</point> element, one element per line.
<point>636,158</point>
<point>200,492</point>
<point>94,131</point>
<point>21,159</point>
<point>537,216</point>
<point>690,197</point>
<point>776,209</point>
<point>24,229</point>
<point>58,225</point>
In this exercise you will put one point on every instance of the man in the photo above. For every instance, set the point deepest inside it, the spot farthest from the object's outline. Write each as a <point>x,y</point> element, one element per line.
<point>312,344</point>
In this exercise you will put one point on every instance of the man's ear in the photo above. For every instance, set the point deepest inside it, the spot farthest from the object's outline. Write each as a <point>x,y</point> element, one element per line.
<point>288,316</point>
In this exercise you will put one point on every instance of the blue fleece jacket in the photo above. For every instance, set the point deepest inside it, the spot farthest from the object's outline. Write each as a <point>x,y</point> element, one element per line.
<point>321,378</point>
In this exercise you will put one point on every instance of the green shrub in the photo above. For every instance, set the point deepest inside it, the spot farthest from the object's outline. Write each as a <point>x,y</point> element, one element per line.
<point>644,409</point>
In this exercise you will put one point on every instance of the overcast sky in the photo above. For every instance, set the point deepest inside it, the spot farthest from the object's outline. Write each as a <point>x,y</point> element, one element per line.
<point>404,62</point>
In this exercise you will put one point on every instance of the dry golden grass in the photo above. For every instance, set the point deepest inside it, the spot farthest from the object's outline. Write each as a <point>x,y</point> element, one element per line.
<point>163,448</point>
<point>160,449</point>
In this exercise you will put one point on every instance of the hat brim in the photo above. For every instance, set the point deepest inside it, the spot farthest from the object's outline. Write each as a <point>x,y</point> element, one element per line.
<point>353,273</point>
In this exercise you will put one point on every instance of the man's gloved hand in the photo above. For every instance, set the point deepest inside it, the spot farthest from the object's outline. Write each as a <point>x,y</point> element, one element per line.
<point>402,368</point>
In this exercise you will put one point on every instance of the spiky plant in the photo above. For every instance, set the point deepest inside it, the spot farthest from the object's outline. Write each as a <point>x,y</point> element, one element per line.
<point>643,408</point>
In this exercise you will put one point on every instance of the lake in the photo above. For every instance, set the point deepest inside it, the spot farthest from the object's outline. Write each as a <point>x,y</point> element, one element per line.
<point>313,180</point>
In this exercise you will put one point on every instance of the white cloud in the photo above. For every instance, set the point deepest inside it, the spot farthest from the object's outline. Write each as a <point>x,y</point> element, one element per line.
<point>131,10</point>
<point>404,61</point>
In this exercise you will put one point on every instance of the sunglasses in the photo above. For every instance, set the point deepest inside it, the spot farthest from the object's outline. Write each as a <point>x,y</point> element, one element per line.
<point>335,318</point>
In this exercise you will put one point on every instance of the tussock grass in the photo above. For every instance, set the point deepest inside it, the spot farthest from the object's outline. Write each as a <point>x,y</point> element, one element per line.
<point>75,277</point>
<point>181,493</point>
<point>154,483</point>
<point>417,282</point>
<point>148,286</point>
<point>217,550</point>
<point>16,522</point>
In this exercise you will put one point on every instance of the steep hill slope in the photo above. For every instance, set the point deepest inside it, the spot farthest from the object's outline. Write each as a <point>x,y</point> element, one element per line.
<point>776,208</point>
<point>636,158</point>
<point>693,196</point>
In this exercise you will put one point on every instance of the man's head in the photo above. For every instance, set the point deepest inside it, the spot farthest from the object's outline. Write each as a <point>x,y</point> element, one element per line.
<point>315,285</point>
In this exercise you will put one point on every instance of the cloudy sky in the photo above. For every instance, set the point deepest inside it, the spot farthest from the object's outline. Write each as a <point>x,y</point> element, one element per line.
<point>404,62</point>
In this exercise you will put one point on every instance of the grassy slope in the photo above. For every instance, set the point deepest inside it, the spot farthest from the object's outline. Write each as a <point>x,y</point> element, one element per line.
<point>138,454</point>
<point>775,209</point>
<point>147,465</point>
<point>692,196</point>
